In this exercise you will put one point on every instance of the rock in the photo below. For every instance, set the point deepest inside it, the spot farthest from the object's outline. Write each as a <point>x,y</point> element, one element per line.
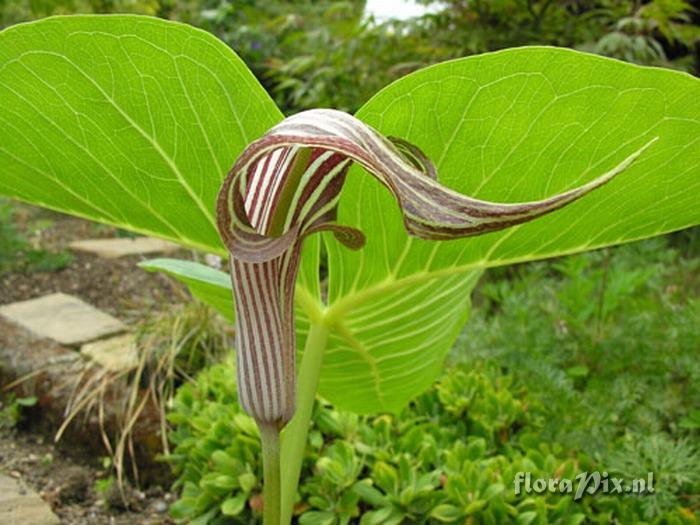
<point>115,354</point>
<point>160,507</point>
<point>62,318</point>
<point>18,505</point>
<point>74,485</point>
<point>51,372</point>
<point>114,248</point>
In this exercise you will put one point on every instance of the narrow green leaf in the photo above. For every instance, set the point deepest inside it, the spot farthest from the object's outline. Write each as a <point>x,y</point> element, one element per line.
<point>127,120</point>
<point>234,506</point>
<point>210,286</point>
<point>446,513</point>
<point>315,517</point>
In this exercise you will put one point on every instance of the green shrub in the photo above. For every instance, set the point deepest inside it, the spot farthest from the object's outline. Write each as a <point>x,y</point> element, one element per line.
<point>18,254</point>
<point>621,321</point>
<point>608,341</point>
<point>451,457</point>
<point>11,410</point>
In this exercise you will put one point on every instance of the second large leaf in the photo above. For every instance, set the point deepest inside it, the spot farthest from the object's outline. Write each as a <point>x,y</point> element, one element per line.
<point>511,126</point>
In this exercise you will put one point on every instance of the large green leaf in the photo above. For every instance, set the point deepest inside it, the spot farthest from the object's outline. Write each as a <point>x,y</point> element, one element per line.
<point>126,120</point>
<point>133,121</point>
<point>511,126</point>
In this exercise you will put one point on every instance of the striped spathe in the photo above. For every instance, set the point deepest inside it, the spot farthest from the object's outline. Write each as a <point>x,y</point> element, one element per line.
<point>285,186</point>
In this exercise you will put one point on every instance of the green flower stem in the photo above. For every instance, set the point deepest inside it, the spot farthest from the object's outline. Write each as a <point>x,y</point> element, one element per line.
<point>270,439</point>
<point>294,434</point>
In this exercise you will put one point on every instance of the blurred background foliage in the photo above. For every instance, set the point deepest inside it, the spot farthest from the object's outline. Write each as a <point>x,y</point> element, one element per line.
<point>320,53</point>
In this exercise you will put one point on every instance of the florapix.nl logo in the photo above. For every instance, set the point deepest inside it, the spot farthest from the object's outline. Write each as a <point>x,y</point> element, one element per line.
<point>584,483</point>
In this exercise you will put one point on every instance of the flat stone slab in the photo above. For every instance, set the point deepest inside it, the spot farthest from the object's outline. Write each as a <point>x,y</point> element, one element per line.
<point>116,354</point>
<point>63,318</point>
<point>114,248</point>
<point>21,505</point>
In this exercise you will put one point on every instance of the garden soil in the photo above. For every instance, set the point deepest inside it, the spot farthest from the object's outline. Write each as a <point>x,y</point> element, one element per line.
<point>70,479</point>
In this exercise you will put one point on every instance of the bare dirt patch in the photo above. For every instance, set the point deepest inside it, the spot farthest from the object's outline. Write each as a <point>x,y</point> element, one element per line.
<point>69,474</point>
<point>68,481</point>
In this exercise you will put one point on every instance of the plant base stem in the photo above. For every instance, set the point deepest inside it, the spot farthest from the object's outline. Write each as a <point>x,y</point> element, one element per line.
<point>294,434</point>
<point>270,439</point>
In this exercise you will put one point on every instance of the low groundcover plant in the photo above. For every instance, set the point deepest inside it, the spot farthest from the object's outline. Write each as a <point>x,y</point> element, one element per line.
<point>134,122</point>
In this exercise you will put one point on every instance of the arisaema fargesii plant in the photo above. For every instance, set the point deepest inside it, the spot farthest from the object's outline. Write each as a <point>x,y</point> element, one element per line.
<point>135,122</point>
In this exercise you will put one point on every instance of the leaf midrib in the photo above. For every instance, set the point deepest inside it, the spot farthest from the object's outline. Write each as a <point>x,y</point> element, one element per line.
<point>333,314</point>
